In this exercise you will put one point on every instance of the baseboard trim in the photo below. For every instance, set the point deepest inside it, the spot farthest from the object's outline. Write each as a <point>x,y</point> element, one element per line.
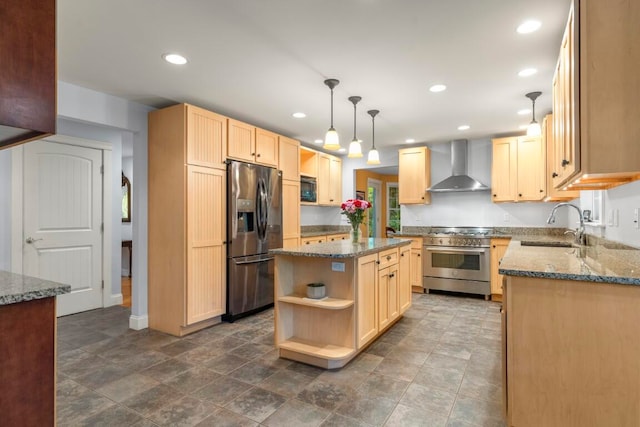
<point>115,299</point>
<point>138,322</point>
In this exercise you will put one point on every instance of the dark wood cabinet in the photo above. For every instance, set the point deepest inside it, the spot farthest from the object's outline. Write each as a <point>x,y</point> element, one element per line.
<point>28,75</point>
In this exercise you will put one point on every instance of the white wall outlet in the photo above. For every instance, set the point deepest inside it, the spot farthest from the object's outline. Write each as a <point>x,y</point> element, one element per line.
<point>636,218</point>
<point>505,217</point>
<point>337,266</point>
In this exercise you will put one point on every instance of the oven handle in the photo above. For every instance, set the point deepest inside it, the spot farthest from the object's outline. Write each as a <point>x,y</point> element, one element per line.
<point>455,250</point>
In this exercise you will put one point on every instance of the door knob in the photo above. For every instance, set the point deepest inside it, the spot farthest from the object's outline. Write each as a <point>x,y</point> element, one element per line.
<point>32,240</point>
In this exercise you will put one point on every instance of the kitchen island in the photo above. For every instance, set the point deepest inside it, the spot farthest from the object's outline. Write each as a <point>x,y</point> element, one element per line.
<point>27,349</point>
<point>367,290</point>
<point>571,342</point>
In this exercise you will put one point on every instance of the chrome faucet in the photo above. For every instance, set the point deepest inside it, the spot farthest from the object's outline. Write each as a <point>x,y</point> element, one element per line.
<point>580,237</point>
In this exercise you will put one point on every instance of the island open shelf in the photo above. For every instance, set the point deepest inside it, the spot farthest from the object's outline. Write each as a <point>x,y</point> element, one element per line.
<point>330,332</point>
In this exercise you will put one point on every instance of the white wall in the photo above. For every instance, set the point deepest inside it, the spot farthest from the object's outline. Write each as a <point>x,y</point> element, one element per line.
<point>624,200</point>
<point>126,231</point>
<point>5,210</point>
<point>458,209</point>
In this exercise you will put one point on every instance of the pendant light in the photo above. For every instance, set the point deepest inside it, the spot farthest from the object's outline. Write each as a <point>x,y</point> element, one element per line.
<point>534,127</point>
<point>355,149</point>
<point>331,139</point>
<point>373,158</point>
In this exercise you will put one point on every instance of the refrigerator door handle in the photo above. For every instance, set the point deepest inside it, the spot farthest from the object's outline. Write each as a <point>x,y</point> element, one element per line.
<point>262,210</point>
<point>255,261</point>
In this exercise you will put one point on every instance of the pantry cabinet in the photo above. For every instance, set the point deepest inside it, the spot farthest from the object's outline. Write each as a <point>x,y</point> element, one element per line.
<point>329,180</point>
<point>595,101</point>
<point>518,169</point>
<point>187,219</point>
<point>414,175</point>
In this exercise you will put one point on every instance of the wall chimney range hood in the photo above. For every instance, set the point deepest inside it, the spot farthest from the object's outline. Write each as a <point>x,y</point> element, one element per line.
<point>459,180</point>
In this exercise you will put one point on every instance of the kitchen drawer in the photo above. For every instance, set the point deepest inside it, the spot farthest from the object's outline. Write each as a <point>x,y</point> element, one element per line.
<point>312,240</point>
<point>416,243</point>
<point>387,258</point>
<point>336,237</point>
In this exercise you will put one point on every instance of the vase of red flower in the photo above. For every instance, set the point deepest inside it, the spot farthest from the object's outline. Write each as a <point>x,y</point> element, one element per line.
<point>355,210</point>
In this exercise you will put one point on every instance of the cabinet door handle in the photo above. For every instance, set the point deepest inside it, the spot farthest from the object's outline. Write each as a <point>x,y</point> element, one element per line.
<point>495,195</point>
<point>258,155</point>
<point>519,195</point>
<point>402,254</point>
<point>418,255</point>
<point>377,262</point>
<point>388,257</point>
<point>494,246</point>
<point>554,175</point>
<point>542,191</point>
<point>565,162</point>
<point>391,275</point>
<point>253,154</point>
<point>422,197</point>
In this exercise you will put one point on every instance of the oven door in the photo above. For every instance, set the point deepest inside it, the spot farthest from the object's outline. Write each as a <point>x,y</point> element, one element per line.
<point>456,263</point>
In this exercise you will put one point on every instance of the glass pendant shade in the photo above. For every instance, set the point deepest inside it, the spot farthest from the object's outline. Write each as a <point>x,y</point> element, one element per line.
<point>355,149</point>
<point>373,158</point>
<point>331,140</point>
<point>534,129</point>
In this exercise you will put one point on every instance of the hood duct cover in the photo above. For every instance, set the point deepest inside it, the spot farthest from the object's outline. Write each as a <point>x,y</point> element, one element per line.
<point>459,180</point>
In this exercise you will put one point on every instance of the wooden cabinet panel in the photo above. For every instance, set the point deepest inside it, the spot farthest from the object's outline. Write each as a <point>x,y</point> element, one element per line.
<point>498,248</point>
<point>367,299</point>
<point>384,315</point>
<point>289,159</point>
<point>206,138</point>
<point>309,162</point>
<point>329,180</point>
<point>28,78</point>
<point>393,307</point>
<point>414,175</point>
<point>266,152</point>
<point>503,169</point>
<point>531,169</point>
<point>290,209</point>
<point>336,237</point>
<point>312,240</point>
<point>553,194</point>
<point>404,279</point>
<point>416,268</point>
<point>241,143</point>
<point>291,242</point>
<point>206,256</point>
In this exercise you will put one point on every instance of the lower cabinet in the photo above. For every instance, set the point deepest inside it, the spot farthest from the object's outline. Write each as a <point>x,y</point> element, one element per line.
<point>404,280</point>
<point>363,298</point>
<point>498,249</point>
<point>416,265</point>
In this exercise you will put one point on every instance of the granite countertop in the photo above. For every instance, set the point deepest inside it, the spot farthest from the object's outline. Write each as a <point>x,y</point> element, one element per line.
<point>18,288</point>
<point>603,262</point>
<point>342,248</point>
<point>495,232</point>
<point>323,230</point>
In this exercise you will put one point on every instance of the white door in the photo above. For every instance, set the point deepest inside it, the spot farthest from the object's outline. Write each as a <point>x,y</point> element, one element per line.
<point>63,219</point>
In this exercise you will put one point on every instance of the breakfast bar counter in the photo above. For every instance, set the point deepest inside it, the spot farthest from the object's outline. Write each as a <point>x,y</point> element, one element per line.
<point>366,290</point>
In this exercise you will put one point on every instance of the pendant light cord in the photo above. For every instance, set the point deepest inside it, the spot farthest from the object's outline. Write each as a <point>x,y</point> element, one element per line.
<point>373,132</point>
<point>354,121</point>
<point>331,108</point>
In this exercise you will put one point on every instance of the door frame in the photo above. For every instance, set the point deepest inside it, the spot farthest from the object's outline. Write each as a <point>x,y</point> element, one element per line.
<point>17,208</point>
<point>377,184</point>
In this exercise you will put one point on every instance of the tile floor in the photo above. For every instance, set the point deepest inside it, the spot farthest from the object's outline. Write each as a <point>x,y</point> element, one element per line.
<point>438,366</point>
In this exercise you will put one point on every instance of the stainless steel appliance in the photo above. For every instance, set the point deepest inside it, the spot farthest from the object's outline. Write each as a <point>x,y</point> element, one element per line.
<point>254,219</point>
<point>308,191</point>
<point>457,259</point>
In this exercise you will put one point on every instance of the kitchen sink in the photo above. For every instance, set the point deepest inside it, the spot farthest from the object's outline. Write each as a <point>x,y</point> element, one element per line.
<point>547,244</point>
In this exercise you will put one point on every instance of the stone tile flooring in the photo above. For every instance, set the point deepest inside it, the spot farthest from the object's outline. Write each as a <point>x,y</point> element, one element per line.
<point>438,366</point>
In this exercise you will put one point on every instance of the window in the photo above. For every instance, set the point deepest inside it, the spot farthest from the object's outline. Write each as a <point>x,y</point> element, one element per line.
<point>393,206</point>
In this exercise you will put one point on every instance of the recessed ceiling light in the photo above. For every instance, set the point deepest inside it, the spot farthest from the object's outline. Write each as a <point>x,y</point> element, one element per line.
<point>529,26</point>
<point>410,141</point>
<point>318,141</point>
<point>174,58</point>
<point>299,115</point>
<point>463,127</point>
<point>527,72</point>
<point>524,112</point>
<point>437,88</point>
<point>342,150</point>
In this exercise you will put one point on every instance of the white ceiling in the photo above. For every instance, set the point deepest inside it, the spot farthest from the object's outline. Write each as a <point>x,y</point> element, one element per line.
<point>262,60</point>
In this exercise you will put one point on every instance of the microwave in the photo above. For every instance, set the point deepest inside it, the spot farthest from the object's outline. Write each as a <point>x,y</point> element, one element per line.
<point>308,189</point>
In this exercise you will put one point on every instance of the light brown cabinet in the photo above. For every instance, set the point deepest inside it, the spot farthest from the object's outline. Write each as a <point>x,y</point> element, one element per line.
<point>187,211</point>
<point>414,175</point>
<point>497,251</point>
<point>250,144</point>
<point>289,159</point>
<point>290,213</point>
<point>518,169</point>
<point>329,180</point>
<point>266,152</point>
<point>553,194</point>
<point>416,265</point>
<point>28,79</point>
<point>309,162</point>
<point>312,240</point>
<point>367,324</point>
<point>388,303</point>
<point>595,107</point>
<point>404,280</point>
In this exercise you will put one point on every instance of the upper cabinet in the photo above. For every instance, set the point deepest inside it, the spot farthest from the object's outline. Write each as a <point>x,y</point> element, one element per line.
<point>414,175</point>
<point>553,194</point>
<point>596,128</point>
<point>308,162</point>
<point>251,144</point>
<point>28,77</point>
<point>206,137</point>
<point>329,180</point>
<point>266,152</point>
<point>289,158</point>
<point>518,169</point>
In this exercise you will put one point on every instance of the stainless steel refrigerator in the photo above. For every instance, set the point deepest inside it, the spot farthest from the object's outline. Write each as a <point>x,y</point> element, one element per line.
<point>254,221</point>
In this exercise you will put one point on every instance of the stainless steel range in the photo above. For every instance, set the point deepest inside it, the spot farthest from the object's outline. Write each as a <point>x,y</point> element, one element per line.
<point>457,259</point>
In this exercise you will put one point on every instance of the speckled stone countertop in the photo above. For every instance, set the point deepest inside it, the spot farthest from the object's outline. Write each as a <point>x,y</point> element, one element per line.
<point>18,288</point>
<point>601,261</point>
<point>342,248</point>
<point>321,230</point>
<point>413,231</point>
